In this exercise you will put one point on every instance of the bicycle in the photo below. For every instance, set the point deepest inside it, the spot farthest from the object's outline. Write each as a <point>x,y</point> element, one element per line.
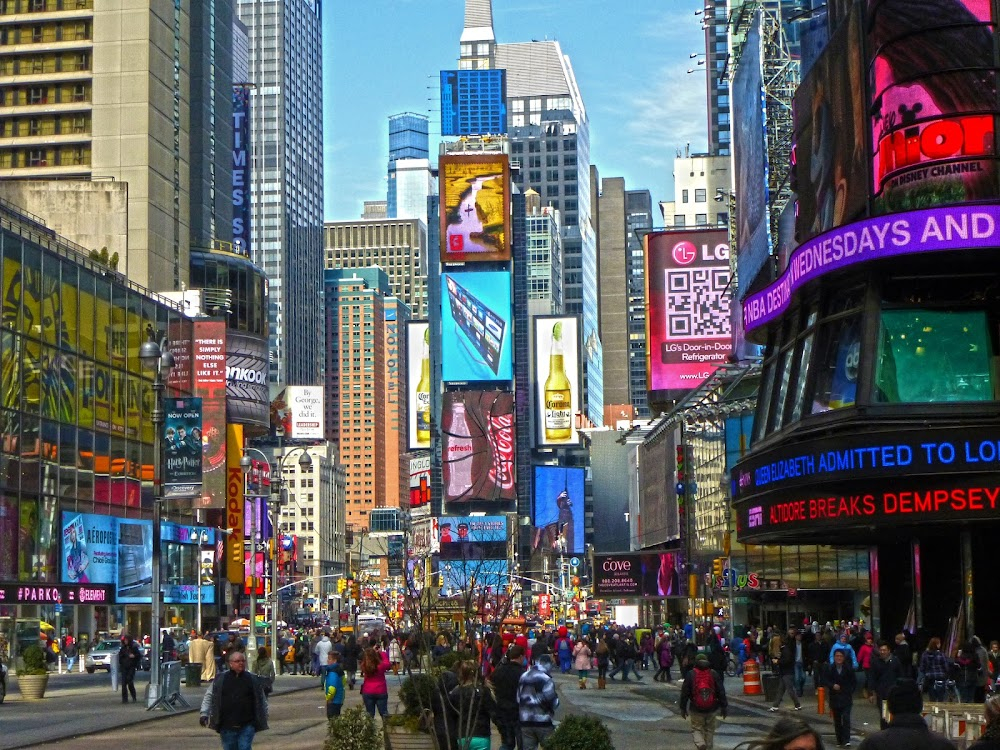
<point>732,665</point>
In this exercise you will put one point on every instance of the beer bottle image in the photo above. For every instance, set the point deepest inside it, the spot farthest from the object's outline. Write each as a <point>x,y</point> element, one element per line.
<point>423,396</point>
<point>558,414</point>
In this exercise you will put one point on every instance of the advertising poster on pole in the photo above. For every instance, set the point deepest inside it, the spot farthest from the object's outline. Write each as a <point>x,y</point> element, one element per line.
<point>182,448</point>
<point>557,379</point>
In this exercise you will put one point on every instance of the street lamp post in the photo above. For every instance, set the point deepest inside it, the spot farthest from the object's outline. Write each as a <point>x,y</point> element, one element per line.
<point>155,357</point>
<point>201,539</point>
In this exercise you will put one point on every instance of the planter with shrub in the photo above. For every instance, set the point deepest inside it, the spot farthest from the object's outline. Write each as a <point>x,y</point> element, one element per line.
<point>580,733</point>
<point>32,677</point>
<point>354,730</point>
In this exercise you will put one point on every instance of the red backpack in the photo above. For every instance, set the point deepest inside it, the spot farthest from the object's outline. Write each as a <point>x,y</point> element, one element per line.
<point>703,695</point>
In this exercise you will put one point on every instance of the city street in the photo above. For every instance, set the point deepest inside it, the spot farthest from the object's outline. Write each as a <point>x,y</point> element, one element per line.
<point>643,714</point>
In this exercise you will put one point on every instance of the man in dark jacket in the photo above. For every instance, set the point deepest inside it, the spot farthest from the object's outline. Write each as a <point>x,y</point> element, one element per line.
<point>907,729</point>
<point>886,671</point>
<point>702,712</point>
<point>234,704</point>
<point>840,682</point>
<point>786,673</point>
<point>128,661</point>
<point>505,679</point>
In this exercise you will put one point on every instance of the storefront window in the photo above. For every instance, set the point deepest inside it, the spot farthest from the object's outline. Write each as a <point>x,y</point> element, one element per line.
<point>927,356</point>
<point>837,376</point>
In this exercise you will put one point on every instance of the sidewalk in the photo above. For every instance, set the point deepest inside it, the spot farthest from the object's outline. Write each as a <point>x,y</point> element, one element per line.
<point>81,704</point>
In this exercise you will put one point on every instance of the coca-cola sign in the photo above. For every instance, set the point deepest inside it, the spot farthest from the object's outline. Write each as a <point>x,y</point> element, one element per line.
<point>478,446</point>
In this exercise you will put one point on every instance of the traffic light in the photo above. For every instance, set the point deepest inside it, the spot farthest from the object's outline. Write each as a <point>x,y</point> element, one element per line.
<point>718,564</point>
<point>341,585</point>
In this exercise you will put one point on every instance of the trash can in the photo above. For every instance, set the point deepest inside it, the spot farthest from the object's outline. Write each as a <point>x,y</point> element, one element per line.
<point>772,683</point>
<point>192,675</point>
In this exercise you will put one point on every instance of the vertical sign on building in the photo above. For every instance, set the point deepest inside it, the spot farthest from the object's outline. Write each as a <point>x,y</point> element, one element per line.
<point>182,448</point>
<point>305,402</point>
<point>478,446</point>
<point>241,170</point>
<point>688,333</point>
<point>209,360</point>
<point>234,504</point>
<point>557,379</point>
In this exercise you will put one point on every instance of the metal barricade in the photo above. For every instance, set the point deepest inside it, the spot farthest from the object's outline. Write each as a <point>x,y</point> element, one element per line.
<point>960,722</point>
<point>170,688</point>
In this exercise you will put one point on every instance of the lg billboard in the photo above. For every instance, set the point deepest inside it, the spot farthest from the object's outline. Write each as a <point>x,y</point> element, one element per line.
<point>688,330</point>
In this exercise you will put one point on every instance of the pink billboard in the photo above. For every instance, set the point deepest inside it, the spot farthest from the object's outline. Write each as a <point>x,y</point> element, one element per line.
<point>688,329</point>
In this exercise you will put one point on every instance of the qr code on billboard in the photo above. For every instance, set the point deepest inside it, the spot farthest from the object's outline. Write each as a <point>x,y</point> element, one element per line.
<point>697,303</point>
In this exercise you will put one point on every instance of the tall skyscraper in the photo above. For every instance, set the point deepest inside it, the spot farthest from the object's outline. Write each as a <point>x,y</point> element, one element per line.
<point>549,137</point>
<point>286,113</point>
<point>544,257</point>
<point>398,247</point>
<point>87,101</point>
<point>364,324</point>
<point>638,219</point>
<point>410,178</point>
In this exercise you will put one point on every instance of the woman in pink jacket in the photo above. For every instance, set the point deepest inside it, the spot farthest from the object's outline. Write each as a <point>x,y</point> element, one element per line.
<point>582,662</point>
<point>865,654</point>
<point>374,691</point>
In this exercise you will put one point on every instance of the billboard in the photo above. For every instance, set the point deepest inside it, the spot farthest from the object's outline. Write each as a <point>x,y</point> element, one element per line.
<point>234,503</point>
<point>89,548</point>
<point>473,102</point>
<point>241,170</point>
<point>247,397</point>
<point>182,448</point>
<point>688,331</point>
<point>475,207</point>
<point>135,561</point>
<point>472,537</point>
<point>476,326</point>
<point>420,485</point>
<point>469,577</point>
<point>478,446</point>
<point>659,519</point>
<point>753,230</point>
<point>641,575</point>
<point>557,510</point>
<point>831,171</point>
<point>208,353</point>
<point>305,405</point>
<point>557,379</point>
<point>418,385</point>
<point>933,114</point>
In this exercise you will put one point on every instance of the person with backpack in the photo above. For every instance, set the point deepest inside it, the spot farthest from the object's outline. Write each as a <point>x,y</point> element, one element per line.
<point>333,685</point>
<point>703,698</point>
<point>784,666</point>
<point>564,650</point>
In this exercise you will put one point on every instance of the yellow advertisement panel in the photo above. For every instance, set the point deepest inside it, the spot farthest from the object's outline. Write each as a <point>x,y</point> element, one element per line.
<point>234,503</point>
<point>102,333</point>
<point>10,355</point>
<point>87,315</point>
<point>475,207</point>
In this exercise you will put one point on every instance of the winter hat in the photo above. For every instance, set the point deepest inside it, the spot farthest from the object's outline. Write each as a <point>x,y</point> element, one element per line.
<point>701,661</point>
<point>905,698</point>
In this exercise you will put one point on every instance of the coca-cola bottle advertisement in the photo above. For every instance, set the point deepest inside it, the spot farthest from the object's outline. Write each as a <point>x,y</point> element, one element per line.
<point>478,446</point>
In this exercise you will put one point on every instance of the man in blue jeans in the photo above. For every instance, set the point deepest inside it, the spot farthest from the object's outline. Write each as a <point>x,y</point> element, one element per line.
<point>234,705</point>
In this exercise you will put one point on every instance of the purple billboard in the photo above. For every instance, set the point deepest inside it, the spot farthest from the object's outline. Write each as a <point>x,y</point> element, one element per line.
<point>964,227</point>
<point>648,574</point>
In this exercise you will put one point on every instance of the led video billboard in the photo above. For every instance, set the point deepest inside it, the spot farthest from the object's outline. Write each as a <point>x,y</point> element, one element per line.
<point>418,385</point>
<point>753,231</point>
<point>688,331</point>
<point>557,510</point>
<point>420,485</point>
<point>557,379</point>
<point>467,578</point>
<point>643,575</point>
<point>831,170</point>
<point>933,103</point>
<point>135,562</point>
<point>90,548</point>
<point>472,537</point>
<point>478,446</point>
<point>474,102</point>
<point>476,326</point>
<point>475,207</point>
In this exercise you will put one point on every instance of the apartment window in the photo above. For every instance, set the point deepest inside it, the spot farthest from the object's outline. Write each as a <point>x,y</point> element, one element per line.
<point>684,196</point>
<point>535,105</point>
<point>517,105</point>
<point>678,220</point>
<point>699,195</point>
<point>37,6</point>
<point>80,93</point>
<point>36,31</point>
<point>723,219</point>
<point>534,147</point>
<point>701,219</point>
<point>34,126</point>
<point>37,95</point>
<point>36,158</point>
<point>517,121</point>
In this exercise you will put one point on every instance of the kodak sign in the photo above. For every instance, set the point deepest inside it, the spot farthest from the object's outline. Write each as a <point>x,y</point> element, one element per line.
<point>234,504</point>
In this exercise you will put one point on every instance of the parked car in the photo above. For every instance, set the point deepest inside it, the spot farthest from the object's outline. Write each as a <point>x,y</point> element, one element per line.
<point>102,654</point>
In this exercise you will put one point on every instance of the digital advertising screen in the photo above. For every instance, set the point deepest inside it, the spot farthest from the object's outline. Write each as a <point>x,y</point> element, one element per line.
<point>688,332</point>
<point>476,326</point>
<point>475,207</point>
<point>472,537</point>
<point>640,575</point>
<point>135,561</point>
<point>478,446</point>
<point>474,102</point>
<point>557,510</point>
<point>933,114</point>
<point>208,353</point>
<point>831,168</point>
<point>557,379</point>
<point>753,231</point>
<point>89,548</point>
<point>420,485</point>
<point>468,578</point>
<point>418,385</point>
<point>182,448</point>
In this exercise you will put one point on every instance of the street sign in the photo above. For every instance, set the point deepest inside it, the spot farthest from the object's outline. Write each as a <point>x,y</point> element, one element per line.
<point>59,608</point>
<point>575,562</point>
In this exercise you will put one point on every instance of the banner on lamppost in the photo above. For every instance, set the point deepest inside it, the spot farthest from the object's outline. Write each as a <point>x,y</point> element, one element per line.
<point>182,448</point>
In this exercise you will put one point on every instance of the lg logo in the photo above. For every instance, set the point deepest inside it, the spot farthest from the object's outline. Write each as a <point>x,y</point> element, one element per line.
<point>684,253</point>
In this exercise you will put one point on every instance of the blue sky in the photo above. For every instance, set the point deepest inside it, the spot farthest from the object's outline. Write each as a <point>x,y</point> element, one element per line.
<point>630,58</point>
